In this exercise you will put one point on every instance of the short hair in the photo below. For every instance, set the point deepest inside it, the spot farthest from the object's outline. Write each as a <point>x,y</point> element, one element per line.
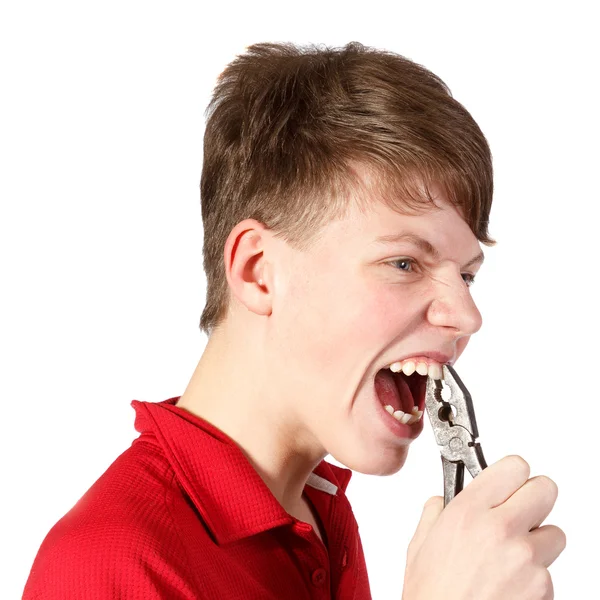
<point>291,131</point>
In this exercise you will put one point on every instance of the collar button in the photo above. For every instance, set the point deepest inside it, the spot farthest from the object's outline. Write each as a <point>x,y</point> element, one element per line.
<point>319,576</point>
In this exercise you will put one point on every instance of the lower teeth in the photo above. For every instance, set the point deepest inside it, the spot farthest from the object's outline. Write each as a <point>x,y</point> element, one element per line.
<point>406,418</point>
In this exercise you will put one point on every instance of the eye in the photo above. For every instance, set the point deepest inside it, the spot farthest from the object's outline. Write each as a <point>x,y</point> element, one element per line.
<point>404,264</point>
<point>408,265</point>
<point>469,279</point>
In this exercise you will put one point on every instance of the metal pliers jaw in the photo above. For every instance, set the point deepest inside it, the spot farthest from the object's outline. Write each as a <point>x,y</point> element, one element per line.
<point>455,430</point>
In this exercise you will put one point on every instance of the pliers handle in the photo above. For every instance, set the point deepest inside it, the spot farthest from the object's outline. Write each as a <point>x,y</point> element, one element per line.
<point>455,429</point>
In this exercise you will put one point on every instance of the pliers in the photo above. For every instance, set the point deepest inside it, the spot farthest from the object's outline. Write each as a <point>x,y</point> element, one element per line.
<point>455,430</point>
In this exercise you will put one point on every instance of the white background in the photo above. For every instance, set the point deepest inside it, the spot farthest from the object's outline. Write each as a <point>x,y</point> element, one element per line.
<point>102,283</point>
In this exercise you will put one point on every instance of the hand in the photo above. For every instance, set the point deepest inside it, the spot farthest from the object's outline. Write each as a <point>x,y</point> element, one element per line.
<point>487,544</point>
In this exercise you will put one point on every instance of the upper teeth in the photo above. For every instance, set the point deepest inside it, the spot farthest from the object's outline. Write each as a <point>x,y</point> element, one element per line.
<point>408,367</point>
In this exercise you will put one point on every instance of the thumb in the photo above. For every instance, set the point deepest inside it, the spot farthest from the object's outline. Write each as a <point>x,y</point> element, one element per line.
<point>431,511</point>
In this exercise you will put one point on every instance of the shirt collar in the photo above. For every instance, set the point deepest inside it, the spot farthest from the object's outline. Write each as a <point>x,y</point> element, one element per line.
<point>231,497</point>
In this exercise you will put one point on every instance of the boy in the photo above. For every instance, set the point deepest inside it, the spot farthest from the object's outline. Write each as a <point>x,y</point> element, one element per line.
<point>345,195</point>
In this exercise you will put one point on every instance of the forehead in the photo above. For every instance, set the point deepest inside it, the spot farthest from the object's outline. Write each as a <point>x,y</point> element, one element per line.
<point>378,225</point>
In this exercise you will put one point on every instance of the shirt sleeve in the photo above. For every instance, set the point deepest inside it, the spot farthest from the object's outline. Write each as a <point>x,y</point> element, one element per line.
<point>106,563</point>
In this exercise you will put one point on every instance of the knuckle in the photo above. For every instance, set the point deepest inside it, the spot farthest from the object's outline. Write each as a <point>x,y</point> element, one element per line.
<point>551,489</point>
<point>541,584</point>
<point>434,501</point>
<point>561,537</point>
<point>519,464</point>
<point>522,552</point>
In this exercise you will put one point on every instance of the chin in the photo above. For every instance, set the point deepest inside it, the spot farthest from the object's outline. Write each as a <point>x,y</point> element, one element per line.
<point>376,462</point>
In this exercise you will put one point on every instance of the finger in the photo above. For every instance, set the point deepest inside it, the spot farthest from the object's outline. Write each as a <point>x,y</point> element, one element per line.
<point>547,543</point>
<point>431,512</point>
<point>494,485</point>
<point>529,506</point>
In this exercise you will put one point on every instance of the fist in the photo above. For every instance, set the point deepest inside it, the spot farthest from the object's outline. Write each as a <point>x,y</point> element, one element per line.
<point>488,543</point>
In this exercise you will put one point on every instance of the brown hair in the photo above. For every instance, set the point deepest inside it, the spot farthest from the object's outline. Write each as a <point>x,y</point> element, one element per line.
<point>290,129</point>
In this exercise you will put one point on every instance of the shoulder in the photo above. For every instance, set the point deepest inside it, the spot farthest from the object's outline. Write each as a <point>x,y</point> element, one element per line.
<point>118,539</point>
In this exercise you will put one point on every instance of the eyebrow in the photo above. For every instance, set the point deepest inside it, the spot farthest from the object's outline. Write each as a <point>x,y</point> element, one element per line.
<point>425,246</point>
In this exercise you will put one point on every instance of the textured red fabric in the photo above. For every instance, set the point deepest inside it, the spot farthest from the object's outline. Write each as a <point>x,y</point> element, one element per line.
<point>183,514</point>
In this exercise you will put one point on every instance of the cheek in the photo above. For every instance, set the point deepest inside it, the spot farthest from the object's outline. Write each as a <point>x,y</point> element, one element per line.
<point>338,318</point>
<point>394,309</point>
<point>334,319</point>
<point>388,311</point>
<point>320,313</point>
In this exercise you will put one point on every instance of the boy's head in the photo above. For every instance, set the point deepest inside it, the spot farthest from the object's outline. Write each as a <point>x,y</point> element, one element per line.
<point>344,195</point>
<point>292,132</point>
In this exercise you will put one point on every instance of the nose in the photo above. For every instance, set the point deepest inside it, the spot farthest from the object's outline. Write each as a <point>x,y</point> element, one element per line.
<point>453,307</point>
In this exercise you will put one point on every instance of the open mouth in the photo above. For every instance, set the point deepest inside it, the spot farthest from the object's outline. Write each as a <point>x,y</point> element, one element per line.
<point>402,395</point>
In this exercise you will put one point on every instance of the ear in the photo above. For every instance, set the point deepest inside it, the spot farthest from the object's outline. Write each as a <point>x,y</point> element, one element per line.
<point>245,267</point>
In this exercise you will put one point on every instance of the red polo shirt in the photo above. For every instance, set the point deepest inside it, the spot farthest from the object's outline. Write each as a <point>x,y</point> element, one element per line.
<point>183,514</point>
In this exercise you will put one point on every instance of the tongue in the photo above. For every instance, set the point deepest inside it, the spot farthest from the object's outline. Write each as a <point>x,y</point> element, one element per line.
<point>393,390</point>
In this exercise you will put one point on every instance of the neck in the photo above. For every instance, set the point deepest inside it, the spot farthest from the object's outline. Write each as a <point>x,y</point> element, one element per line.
<point>234,389</point>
